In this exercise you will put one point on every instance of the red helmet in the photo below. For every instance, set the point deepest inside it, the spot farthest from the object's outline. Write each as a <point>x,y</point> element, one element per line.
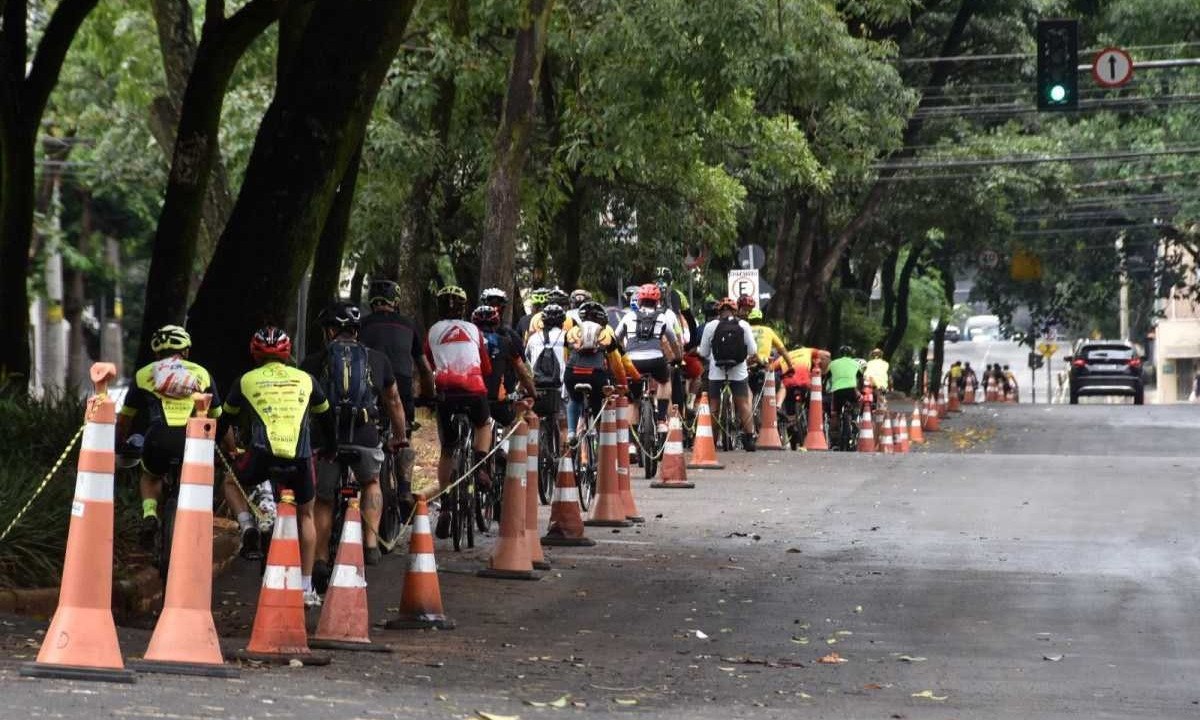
<point>270,343</point>
<point>726,304</point>
<point>649,293</point>
<point>485,315</point>
<point>746,302</point>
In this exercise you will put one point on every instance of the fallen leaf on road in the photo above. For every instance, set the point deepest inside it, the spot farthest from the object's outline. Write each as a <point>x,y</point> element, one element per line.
<point>872,686</point>
<point>858,608</point>
<point>494,716</point>
<point>795,550</point>
<point>843,633</point>
<point>799,640</point>
<point>700,634</point>
<point>928,695</point>
<point>910,658</point>
<point>295,663</point>
<point>559,703</point>
<point>625,701</point>
<point>831,641</point>
<point>1052,658</point>
<point>832,659</point>
<point>805,696</point>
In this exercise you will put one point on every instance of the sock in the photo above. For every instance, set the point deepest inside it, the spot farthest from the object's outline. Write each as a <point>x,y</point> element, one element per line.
<point>661,406</point>
<point>306,582</point>
<point>149,508</point>
<point>244,520</point>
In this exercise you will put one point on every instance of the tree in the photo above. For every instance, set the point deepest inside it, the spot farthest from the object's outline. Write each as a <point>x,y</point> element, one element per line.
<point>25,87</point>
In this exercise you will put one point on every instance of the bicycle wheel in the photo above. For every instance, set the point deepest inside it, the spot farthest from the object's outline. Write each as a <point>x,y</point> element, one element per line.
<point>647,433</point>
<point>727,422</point>
<point>391,522</point>
<point>166,531</point>
<point>586,480</point>
<point>457,505</point>
<point>548,460</point>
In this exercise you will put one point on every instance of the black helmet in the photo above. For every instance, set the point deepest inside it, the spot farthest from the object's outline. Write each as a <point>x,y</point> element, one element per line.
<point>382,292</point>
<point>557,296</point>
<point>592,311</point>
<point>709,308</point>
<point>846,351</point>
<point>342,315</point>
<point>553,316</point>
<point>664,276</point>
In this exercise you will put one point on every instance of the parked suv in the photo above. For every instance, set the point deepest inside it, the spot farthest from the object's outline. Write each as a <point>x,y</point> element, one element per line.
<point>1106,367</point>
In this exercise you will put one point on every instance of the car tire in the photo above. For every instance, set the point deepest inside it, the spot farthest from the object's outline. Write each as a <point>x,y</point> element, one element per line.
<point>1139,397</point>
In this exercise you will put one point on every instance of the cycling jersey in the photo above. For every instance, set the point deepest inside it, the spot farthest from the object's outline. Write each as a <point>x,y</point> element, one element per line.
<point>148,408</point>
<point>766,340</point>
<point>398,337</point>
<point>651,348</point>
<point>878,373</point>
<point>459,356</point>
<point>843,374</point>
<point>801,376</point>
<point>280,399</point>
<point>504,347</point>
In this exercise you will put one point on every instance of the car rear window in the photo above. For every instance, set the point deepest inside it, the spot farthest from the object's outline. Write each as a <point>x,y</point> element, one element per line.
<point>1108,352</point>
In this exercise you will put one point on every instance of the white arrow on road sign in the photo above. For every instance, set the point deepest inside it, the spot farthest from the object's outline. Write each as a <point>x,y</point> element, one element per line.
<point>1112,67</point>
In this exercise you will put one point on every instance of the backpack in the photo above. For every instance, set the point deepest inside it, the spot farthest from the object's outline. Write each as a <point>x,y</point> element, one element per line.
<point>646,322</point>
<point>546,367</point>
<point>729,341</point>
<point>347,382</point>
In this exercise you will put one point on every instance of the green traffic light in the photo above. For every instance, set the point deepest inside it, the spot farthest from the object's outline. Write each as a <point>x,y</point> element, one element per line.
<point>1058,93</point>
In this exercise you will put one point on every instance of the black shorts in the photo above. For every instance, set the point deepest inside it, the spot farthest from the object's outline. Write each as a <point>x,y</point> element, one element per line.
<point>739,388</point>
<point>758,378</point>
<point>475,407</point>
<point>841,398</point>
<point>404,386</point>
<point>502,412</point>
<point>296,474</point>
<point>163,446</point>
<point>654,367</point>
<point>595,379</point>
<point>797,397</point>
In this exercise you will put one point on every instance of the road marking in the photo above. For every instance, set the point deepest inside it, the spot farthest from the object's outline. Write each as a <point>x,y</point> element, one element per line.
<point>624,542</point>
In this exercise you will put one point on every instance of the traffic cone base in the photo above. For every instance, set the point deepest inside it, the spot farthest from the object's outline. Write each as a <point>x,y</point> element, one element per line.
<point>421,596</point>
<point>566,522</point>
<point>511,559</point>
<point>49,671</point>
<point>608,510</point>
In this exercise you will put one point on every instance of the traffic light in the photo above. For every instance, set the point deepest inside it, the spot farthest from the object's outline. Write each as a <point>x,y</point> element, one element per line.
<point>1057,64</point>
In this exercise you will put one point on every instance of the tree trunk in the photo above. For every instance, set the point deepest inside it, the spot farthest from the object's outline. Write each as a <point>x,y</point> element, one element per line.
<point>74,300</point>
<point>196,150</point>
<point>331,250</point>
<point>896,336</point>
<point>939,335</point>
<point>498,247</point>
<point>887,285</point>
<point>305,142</point>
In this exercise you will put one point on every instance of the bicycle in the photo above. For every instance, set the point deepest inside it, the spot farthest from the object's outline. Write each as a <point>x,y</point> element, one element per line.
<point>348,489</point>
<point>585,453</point>
<point>648,438</point>
<point>793,423</point>
<point>130,457</point>
<point>549,441</point>
<point>395,507</point>
<point>848,427</point>
<point>727,420</point>
<point>461,499</point>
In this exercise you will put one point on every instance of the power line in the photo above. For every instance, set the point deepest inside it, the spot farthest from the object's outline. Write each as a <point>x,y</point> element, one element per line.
<point>1029,56</point>
<point>1036,160</point>
<point>1072,230</point>
<point>1024,108</point>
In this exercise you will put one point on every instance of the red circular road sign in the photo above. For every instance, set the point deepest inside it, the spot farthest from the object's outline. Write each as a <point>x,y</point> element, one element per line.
<point>1112,67</point>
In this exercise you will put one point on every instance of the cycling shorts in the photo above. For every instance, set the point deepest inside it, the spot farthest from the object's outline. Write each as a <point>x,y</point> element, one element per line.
<point>163,446</point>
<point>797,397</point>
<point>254,466</point>
<point>366,467</point>
<point>847,396</point>
<point>740,388</point>
<point>654,367</point>
<point>502,412</point>
<point>595,380</point>
<point>475,407</point>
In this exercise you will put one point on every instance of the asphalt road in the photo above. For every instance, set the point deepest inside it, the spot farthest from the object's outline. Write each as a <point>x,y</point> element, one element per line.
<point>984,352</point>
<point>1031,562</point>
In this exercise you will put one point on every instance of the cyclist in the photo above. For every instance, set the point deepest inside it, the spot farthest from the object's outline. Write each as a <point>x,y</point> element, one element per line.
<point>279,399</point>
<point>880,374</point>
<point>399,337</point>
<point>766,343</point>
<point>361,388</point>
<point>1010,381</point>
<point>460,360</point>
<point>154,418</point>
<point>677,302</point>
<point>956,377</point>
<point>845,380</point>
<point>795,386</point>
<point>593,358</point>
<point>546,356</point>
<point>578,297</point>
<point>507,354</point>
<point>497,298</point>
<point>745,303</point>
<point>555,296</point>
<point>650,340</point>
<point>728,344</point>
<point>537,300</point>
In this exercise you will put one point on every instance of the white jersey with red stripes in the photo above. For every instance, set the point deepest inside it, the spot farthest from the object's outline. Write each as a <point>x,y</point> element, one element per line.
<point>459,357</point>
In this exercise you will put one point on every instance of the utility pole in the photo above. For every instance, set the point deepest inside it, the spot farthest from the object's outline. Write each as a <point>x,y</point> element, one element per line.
<point>1123,295</point>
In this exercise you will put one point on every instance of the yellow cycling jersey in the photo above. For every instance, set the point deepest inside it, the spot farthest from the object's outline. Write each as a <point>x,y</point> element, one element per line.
<point>878,371</point>
<point>281,398</point>
<point>535,324</point>
<point>801,358</point>
<point>767,340</point>
<point>173,412</point>
<point>956,372</point>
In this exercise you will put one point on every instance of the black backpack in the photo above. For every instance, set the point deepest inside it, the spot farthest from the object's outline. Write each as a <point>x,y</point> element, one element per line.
<point>347,382</point>
<point>729,341</point>
<point>547,366</point>
<point>646,322</point>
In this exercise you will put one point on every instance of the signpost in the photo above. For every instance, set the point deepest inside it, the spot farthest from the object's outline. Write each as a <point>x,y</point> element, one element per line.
<point>743,282</point>
<point>752,257</point>
<point>1047,349</point>
<point>1112,68</point>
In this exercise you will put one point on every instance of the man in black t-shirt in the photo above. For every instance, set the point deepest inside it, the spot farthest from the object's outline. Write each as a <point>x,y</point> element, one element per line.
<point>507,354</point>
<point>361,373</point>
<point>399,337</point>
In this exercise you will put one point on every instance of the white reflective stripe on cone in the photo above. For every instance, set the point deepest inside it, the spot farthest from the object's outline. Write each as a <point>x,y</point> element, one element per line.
<point>566,494</point>
<point>346,576</point>
<point>704,431</point>
<point>566,464</point>
<point>673,448</point>
<point>99,436</point>
<point>280,577</point>
<point>422,563</point>
<point>198,451</point>
<point>94,486</point>
<point>285,529</point>
<point>421,524</point>
<point>195,497</point>
<point>352,533</point>
<point>608,438</point>
<point>703,410</point>
<point>866,433</point>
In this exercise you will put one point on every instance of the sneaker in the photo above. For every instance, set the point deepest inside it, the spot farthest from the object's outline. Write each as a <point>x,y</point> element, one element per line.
<point>442,531</point>
<point>312,599</point>
<point>148,532</point>
<point>251,543</point>
<point>372,555</point>
<point>748,441</point>
<point>320,576</point>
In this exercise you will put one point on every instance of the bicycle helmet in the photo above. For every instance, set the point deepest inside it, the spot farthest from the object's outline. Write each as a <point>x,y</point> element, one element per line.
<point>648,293</point>
<point>485,316</point>
<point>451,301</point>
<point>270,343</point>
<point>579,297</point>
<point>726,304</point>
<point>382,292</point>
<point>876,353</point>
<point>553,316</point>
<point>557,296</point>
<point>846,351</point>
<point>630,292</point>
<point>593,311</point>
<point>170,338</point>
<point>495,297</point>
<point>709,308</point>
<point>341,315</point>
<point>664,275</point>
<point>755,316</point>
<point>746,302</point>
<point>537,298</point>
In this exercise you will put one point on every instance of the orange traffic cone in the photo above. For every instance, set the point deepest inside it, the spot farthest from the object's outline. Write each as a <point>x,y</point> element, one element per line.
<point>901,431</point>
<point>566,523</point>
<point>421,598</point>
<point>886,439</point>
<point>991,389</point>
<point>608,510</point>
<point>866,431</point>
<point>952,393</point>
<point>536,556</point>
<point>768,434</point>
<point>185,638</point>
<point>279,634</point>
<point>704,446</point>
<point>344,623</point>
<point>915,433</point>
<point>933,422</point>
<point>815,440</point>
<point>969,393</point>
<point>81,642</point>
<point>511,559</point>
<point>672,472</point>
<point>624,482</point>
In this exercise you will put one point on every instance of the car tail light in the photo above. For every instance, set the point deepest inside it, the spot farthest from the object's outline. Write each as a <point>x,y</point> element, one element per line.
<point>1079,362</point>
<point>1135,363</point>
